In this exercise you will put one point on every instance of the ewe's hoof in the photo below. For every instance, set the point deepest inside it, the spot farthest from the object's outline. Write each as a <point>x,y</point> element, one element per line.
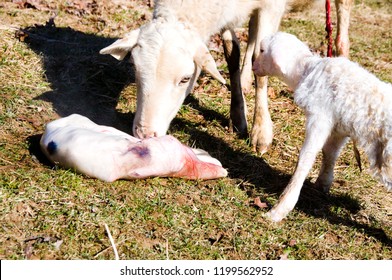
<point>261,137</point>
<point>261,149</point>
<point>274,216</point>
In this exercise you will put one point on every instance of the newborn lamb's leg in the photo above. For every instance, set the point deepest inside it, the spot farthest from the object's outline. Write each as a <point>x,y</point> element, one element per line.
<point>317,132</point>
<point>205,156</point>
<point>198,166</point>
<point>331,151</point>
<point>165,156</point>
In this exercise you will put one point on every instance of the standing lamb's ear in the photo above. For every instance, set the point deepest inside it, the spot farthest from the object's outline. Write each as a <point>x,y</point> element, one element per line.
<point>287,51</point>
<point>122,47</point>
<point>206,62</point>
<point>281,70</point>
<point>280,60</point>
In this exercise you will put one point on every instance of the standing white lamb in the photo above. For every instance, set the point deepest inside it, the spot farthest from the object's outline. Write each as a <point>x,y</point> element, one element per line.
<point>108,154</point>
<point>341,100</point>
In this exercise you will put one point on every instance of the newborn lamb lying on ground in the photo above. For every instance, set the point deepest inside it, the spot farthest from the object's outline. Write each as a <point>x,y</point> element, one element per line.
<point>341,100</point>
<point>108,154</point>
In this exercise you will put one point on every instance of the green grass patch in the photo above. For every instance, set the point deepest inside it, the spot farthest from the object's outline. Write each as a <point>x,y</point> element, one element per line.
<point>52,213</point>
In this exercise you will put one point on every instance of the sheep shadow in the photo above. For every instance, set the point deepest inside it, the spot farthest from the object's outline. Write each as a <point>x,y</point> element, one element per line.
<point>82,80</point>
<point>85,82</point>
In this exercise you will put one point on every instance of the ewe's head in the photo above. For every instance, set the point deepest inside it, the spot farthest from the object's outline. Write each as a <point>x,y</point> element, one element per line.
<point>167,57</point>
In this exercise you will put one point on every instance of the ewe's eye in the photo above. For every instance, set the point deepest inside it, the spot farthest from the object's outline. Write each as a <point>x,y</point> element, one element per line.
<point>184,80</point>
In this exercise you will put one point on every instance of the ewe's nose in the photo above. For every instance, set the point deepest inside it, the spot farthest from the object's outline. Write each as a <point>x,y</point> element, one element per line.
<point>143,133</point>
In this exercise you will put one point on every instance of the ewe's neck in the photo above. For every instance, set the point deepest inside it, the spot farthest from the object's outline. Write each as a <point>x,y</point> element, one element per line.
<point>191,21</point>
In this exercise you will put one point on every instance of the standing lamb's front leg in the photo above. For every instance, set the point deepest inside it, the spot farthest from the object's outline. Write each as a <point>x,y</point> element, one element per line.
<point>317,132</point>
<point>342,42</point>
<point>331,151</point>
<point>238,105</point>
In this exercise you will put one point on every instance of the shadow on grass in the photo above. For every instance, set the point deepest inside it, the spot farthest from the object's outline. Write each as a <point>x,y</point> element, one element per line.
<point>35,149</point>
<point>208,114</point>
<point>255,170</point>
<point>83,81</point>
<point>90,84</point>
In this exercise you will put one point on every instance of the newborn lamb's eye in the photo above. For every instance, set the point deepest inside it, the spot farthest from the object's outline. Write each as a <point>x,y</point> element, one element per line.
<point>261,50</point>
<point>184,80</point>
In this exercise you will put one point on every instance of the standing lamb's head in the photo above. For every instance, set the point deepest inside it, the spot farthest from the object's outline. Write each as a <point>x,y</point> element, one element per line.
<point>167,57</point>
<point>281,55</point>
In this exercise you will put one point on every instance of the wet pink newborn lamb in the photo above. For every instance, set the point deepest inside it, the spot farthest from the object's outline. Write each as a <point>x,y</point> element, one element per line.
<point>108,154</point>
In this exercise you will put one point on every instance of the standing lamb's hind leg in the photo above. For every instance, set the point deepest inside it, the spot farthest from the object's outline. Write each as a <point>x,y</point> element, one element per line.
<point>342,42</point>
<point>238,105</point>
<point>383,162</point>
<point>317,132</point>
<point>331,151</point>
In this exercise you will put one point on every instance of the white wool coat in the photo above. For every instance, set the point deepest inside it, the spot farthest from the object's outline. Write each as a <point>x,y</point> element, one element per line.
<point>356,101</point>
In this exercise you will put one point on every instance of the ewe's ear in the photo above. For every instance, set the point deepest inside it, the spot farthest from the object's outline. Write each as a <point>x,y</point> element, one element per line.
<point>206,62</point>
<point>122,47</point>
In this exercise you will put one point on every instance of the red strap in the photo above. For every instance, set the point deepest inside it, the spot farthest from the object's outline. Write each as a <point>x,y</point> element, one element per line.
<point>328,27</point>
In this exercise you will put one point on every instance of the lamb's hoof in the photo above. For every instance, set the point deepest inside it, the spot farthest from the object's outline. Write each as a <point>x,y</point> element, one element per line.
<point>324,187</point>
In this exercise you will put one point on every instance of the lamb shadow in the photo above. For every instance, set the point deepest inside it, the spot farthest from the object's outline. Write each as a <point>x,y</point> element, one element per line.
<point>253,169</point>
<point>82,80</point>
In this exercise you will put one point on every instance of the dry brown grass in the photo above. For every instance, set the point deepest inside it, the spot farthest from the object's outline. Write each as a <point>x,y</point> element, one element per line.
<point>50,70</point>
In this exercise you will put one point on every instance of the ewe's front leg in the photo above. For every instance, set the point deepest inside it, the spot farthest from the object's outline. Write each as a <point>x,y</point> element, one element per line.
<point>342,42</point>
<point>317,133</point>
<point>262,129</point>
<point>263,23</point>
<point>238,105</point>
<point>331,151</point>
